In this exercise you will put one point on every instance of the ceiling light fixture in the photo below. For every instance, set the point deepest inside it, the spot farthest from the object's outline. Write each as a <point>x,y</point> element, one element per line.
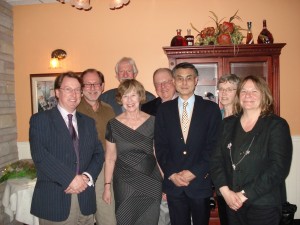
<point>79,4</point>
<point>117,4</point>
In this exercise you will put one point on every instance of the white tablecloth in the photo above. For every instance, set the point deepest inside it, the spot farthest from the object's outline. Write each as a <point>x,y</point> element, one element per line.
<point>17,200</point>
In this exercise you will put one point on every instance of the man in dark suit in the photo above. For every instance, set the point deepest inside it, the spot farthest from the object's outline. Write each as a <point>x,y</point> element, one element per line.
<point>186,131</point>
<point>165,89</point>
<point>68,157</point>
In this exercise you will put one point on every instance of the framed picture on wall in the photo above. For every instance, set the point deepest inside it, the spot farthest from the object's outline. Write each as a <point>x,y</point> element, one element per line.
<point>42,91</point>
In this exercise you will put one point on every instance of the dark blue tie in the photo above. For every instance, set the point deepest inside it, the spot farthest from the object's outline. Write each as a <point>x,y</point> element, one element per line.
<point>75,140</point>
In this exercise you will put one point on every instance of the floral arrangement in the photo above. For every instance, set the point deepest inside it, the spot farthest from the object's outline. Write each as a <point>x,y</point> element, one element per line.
<point>21,168</point>
<point>225,33</point>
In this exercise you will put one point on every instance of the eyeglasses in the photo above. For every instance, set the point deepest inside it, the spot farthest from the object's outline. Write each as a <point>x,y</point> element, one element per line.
<point>69,90</point>
<point>164,83</point>
<point>226,90</point>
<point>89,86</point>
<point>188,79</point>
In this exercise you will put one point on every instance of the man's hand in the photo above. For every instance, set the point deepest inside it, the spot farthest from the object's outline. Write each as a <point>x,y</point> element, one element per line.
<point>77,185</point>
<point>187,175</point>
<point>179,180</point>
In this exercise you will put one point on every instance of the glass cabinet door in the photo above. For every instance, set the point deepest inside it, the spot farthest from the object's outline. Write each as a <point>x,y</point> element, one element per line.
<point>242,66</point>
<point>207,82</point>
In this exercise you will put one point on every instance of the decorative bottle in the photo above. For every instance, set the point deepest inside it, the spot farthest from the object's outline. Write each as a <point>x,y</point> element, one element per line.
<point>250,39</point>
<point>178,40</point>
<point>189,38</point>
<point>265,36</point>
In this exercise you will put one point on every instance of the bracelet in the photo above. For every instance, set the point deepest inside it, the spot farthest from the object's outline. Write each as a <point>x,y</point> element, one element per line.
<point>106,183</point>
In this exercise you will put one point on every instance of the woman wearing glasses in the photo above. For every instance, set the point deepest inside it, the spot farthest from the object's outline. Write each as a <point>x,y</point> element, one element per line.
<point>227,85</point>
<point>253,157</point>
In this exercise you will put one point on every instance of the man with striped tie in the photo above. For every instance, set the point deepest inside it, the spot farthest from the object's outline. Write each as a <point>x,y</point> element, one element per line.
<point>68,157</point>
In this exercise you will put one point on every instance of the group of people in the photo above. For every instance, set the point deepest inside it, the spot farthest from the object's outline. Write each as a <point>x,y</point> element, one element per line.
<point>160,158</point>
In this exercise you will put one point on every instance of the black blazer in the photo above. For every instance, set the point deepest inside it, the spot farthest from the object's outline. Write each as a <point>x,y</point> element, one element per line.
<point>261,174</point>
<point>170,147</point>
<point>152,106</point>
<point>53,154</point>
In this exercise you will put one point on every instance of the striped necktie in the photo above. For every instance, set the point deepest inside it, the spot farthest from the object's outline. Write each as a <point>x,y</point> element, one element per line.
<point>74,140</point>
<point>185,119</point>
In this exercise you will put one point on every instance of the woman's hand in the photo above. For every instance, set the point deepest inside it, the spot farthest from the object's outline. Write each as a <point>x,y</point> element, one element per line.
<point>106,196</point>
<point>232,199</point>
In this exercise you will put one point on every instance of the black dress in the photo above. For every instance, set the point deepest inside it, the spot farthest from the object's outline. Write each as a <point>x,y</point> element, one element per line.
<point>137,180</point>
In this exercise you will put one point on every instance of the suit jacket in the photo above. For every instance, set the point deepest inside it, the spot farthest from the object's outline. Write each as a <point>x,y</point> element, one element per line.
<point>261,174</point>
<point>152,106</point>
<point>174,155</point>
<point>109,97</point>
<point>54,156</point>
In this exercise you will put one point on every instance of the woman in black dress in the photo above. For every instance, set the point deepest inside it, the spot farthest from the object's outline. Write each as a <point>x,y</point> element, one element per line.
<point>130,160</point>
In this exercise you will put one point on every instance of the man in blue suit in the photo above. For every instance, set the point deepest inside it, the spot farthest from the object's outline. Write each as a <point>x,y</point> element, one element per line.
<point>186,131</point>
<point>68,157</point>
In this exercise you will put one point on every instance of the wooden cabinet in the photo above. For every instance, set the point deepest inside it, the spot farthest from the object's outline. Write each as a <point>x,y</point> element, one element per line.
<point>215,61</point>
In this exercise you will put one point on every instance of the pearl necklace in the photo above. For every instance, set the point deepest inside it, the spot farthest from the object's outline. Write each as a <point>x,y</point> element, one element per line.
<point>247,152</point>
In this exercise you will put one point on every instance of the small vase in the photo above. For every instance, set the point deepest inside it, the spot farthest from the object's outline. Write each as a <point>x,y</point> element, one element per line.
<point>178,40</point>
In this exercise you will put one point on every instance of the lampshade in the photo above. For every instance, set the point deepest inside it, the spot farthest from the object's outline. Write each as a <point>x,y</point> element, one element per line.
<point>81,4</point>
<point>56,56</point>
<point>116,4</point>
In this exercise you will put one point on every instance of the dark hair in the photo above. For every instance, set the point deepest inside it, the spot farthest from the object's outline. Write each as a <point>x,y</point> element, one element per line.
<point>129,85</point>
<point>185,65</point>
<point>58,81</point>
<point>231,78</point>
<point>267,102</point>
<point>101,76</point>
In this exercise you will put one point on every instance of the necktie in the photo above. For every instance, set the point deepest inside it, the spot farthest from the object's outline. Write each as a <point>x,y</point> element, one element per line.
<point>185,119</point>
<point>74,140</point>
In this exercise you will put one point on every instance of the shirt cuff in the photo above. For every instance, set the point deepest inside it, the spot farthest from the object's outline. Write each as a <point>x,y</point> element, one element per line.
<point>91,181</point>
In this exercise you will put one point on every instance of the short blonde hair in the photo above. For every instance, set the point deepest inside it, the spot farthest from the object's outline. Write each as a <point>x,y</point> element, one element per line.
<point>129,85</point>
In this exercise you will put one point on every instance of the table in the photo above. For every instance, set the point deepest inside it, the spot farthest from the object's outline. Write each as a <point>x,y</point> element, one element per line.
<point>17,198</point>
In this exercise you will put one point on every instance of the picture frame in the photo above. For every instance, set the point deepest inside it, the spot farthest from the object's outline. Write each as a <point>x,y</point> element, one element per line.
<point>42,91</point>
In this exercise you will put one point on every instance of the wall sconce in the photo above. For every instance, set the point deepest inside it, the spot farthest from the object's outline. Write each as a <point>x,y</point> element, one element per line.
<point>117,4</point>
<point>56,56</point>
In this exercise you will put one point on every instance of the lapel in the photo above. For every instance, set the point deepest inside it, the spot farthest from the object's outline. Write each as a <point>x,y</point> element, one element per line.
<point>196,115</point>
<point>60,125</point>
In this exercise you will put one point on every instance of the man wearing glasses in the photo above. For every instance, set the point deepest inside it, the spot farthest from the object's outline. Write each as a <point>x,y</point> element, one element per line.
<point>186,131</point>
<point>90,105</point>
<point>165,89</point>
<point>68,157</point>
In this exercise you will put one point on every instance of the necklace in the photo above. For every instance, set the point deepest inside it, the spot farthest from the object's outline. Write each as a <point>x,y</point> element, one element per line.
<point>247,152</point>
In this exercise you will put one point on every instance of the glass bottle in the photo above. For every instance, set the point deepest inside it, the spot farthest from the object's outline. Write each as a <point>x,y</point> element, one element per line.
<point>178,40</point>
<point>250,39</point>
<point>189,38</point>
<point>265,36</point>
